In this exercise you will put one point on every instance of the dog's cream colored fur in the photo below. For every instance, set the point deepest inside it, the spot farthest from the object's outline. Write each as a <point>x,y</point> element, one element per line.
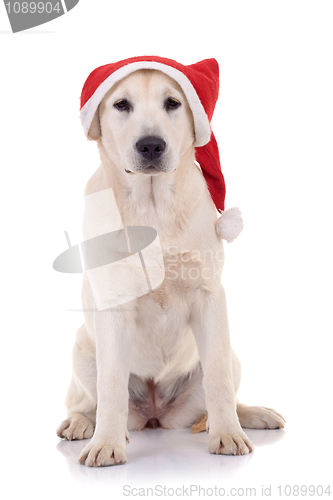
<point>165,356</point>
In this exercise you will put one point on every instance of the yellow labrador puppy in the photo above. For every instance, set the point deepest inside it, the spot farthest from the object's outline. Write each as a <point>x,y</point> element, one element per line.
<point>163,359</point>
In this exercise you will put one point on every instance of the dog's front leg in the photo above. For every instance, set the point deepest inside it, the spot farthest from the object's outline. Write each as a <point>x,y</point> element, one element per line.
<point>209,323</point>
<point>113,337</point>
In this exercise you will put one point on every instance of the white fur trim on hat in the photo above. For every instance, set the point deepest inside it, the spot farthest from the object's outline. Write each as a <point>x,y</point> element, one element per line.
<point>230,224</point>
<point>201,122</point>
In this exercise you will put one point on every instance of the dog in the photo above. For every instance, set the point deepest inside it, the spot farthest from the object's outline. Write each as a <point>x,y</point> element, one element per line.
<point>163,359</point>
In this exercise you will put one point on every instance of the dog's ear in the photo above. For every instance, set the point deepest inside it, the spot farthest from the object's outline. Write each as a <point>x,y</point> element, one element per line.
<point>95,127</point>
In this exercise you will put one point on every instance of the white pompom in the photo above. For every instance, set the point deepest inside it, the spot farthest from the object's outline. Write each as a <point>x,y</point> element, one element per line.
<point>230,224</point>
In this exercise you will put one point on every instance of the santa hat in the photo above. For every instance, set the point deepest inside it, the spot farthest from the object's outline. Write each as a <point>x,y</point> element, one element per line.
<point>200,84</point>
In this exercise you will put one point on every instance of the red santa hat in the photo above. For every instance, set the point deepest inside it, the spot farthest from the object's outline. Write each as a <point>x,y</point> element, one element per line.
<point>200,84</point>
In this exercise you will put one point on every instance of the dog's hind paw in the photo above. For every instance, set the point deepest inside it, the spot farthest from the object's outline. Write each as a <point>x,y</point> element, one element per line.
<point>259,417</point>
<point>76,427</point>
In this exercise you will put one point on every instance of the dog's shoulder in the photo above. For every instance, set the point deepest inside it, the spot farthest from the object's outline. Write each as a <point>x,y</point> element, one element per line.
<point>97,182</point>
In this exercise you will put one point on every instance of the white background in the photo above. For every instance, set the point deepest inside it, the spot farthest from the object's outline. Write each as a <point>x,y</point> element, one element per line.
<point>274,127</point>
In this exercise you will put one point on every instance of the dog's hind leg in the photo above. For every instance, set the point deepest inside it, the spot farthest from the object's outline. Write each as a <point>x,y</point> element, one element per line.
<point>81,397</point>
<point>250,417</point>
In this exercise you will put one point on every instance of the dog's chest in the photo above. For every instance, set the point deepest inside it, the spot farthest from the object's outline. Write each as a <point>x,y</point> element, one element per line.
<point>164,341</point>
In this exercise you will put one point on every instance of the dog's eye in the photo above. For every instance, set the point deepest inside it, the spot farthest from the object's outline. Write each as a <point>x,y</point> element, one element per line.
<point>171,103</point>
<point>122,105</point>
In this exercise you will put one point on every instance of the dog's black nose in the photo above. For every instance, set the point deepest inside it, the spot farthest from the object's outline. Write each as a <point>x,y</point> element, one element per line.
<point>150,147</point>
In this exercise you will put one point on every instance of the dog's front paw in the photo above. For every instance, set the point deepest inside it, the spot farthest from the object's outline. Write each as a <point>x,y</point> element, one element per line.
<point>230,444</point>
<point>101,454</point>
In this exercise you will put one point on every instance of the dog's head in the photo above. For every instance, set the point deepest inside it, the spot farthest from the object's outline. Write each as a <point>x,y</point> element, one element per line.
<point>144,124</point>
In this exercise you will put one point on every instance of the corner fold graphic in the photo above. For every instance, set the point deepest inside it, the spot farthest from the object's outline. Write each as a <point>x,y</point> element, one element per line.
<point>70,4</point>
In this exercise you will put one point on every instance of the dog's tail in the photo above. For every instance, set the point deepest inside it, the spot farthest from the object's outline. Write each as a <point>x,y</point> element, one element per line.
<point>200,424</point>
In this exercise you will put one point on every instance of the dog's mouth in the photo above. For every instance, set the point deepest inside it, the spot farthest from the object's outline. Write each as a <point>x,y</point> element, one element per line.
<point>149,170</point>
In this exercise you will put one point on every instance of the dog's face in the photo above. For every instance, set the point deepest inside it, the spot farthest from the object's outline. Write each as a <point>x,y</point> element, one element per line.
<point>144,124</point>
